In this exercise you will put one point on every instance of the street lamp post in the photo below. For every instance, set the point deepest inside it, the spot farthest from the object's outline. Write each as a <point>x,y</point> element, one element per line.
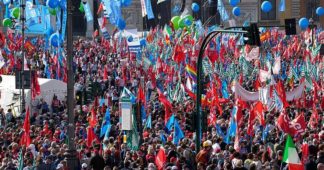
<point>70,154</point>
<point>22,69</point>
<point>198,116</point>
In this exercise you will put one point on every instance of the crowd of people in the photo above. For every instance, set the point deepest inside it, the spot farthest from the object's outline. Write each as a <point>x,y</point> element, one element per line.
<point>165,81</point>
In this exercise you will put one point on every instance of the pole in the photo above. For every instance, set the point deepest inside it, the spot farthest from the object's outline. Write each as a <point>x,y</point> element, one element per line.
<point>70,154</point>
<point>198,116</point>
<point>22,77</point>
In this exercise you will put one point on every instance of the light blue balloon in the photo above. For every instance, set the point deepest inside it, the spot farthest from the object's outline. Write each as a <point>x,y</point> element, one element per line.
<point>121,24</point>
<point>236,11</point>
<point>303,23</point>
<point>54,40</point>
<point>195,7</point>
<point>126,3</point>
<point>62,4</point>
<point>266,6</point>
<point>143,42</point>
<point>52,3</point>
<point>234,2</point>
<point>320,11</point>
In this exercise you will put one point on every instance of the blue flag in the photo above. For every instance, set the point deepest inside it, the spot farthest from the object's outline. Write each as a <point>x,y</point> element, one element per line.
<point>170,123</point>
<point>224,90</point>
<point>148,123</point>
<point>231,132</point>
<point>219,131</point>
<point>143,113</point>
<point>149,9</point>
<point>105,123</point>
<point>162,138</point>
<point>178,133</point>
<point>282,5</point>
<point>265,133</point>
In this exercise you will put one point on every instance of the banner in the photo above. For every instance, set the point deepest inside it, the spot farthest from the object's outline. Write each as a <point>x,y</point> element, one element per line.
<point>87,12</point>
<point>149,9</point>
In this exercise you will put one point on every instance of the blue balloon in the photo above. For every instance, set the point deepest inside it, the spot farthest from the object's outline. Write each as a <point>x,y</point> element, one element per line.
<point>63,4</point>
<point>320,11</point>
<point>54,40</point>
<point>126,3</point>
<point>121,24</point>
<point>234,2</point>
<point>236,11</point>
<point>187,22</point>
<point>266,6</point>
<point>52,3</point>
<point>130,39</point>
<point>303,23</point>
<point>143,42</point>
<point>195,7</point>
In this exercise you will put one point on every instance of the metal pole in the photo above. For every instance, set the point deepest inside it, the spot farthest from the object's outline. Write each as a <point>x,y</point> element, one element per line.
<point>70,154</point>
<point>198,116</point>
<point>22,77</point>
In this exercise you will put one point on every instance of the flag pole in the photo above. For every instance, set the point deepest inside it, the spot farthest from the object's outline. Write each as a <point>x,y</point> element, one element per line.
<point>70,154</point>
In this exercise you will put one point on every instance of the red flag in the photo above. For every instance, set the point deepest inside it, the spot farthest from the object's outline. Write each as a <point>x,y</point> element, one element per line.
<point>141,95</point>
<point>91,136</point>
<point>282,93</point>
<point>298,125</point>
<point>100,8</point>
<point>283,123</point>
<point>105,75</point>
<point>160,158</point>
<point>258,109</point>
<point>29,47</point>
<point>25,139</point>
<point>35,85</point>
<point>167,105</point>
<point>305,153</point>
<point>314,118</point>
<point>252,118</point>
<point>93,118</point>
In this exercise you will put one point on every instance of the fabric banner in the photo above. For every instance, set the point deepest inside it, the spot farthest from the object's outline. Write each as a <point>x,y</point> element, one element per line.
<point>103,30</point>
<point>245,95</point>
<point>222,10</point>
<point>143,5</point>
<point>64,23</point>
<point>87,12</point>
<point>149,9</point>
<point>106,8</point>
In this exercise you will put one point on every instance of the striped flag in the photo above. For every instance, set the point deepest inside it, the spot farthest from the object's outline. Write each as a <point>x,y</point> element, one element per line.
<point>192,72</point>
<point>291,156</point>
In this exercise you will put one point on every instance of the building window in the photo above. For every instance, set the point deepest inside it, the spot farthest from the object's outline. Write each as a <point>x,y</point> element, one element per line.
<point>311,6</point>
<point>271,15</point>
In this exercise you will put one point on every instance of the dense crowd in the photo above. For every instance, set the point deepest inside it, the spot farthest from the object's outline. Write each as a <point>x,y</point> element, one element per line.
<point>107,63</point>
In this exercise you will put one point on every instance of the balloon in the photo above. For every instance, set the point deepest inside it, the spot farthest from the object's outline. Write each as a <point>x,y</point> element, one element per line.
<point>15,13</point>
<point>81,8</point>
<point>320,11</point>
<point>126,3</point>
<point>52,3</point>
<point>195,7</point>
<point>54,40</point>
<point>7,22</point>
<point>266,6</point>
<point>52,11</point>
<point>236,11</point>
<point>187,22</point>
<point>62,4</point>
<point>175,21</point>
<point>130,39</point>
<point>303,23</point>
<point>121,24</point>
<point>234,2</point>
<point>143,42</point>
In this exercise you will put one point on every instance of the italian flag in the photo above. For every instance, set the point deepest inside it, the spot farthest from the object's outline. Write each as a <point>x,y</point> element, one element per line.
<point>291,156</point>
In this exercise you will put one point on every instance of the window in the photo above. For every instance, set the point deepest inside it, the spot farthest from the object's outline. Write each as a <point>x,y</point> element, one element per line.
<point>311,6</point>
<point>271,15</point>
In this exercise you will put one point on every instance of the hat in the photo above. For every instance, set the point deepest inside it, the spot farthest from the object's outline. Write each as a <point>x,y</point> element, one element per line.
<point>84,165</point>
<point>207,143</point>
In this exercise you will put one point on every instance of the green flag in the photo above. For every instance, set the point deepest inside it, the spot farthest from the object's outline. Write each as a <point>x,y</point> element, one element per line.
<point>291,156</point>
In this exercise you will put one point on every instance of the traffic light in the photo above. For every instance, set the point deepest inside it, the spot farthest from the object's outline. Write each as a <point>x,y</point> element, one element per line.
<point>252,37</point>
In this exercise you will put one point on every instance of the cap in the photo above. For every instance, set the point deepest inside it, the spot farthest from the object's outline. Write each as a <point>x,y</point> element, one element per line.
<point>84,165</point>
<point>207,143</point>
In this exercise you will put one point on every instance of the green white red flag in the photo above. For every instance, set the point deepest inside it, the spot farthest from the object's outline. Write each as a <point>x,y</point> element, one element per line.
<point>291,156</point>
